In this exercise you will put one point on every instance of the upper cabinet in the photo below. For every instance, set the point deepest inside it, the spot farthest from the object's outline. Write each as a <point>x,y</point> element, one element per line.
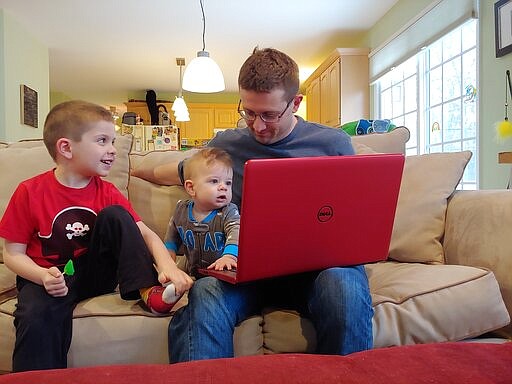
<point>338,90</point>
<point>204,118</point>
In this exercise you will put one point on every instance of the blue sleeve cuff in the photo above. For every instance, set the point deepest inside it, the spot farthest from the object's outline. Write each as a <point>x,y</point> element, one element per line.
<point>171,246</point>
<point>231,249</point>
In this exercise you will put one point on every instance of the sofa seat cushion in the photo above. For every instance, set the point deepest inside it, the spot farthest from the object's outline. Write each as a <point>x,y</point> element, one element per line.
<point>417,303</point>
<point>413,303</point>
<point>106,330</point>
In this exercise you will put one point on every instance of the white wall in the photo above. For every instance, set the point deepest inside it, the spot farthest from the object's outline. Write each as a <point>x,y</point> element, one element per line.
<point>24,60</point>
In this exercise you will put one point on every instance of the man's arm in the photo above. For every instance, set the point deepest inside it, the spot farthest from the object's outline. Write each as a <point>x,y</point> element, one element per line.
<point>163,174</point>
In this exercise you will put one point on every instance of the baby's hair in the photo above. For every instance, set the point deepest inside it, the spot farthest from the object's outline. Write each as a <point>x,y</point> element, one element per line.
<point>71,119</point>
<point>206,156</point>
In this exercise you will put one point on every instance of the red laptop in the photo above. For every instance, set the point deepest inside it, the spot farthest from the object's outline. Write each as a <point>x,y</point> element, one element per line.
<point>311,213</point>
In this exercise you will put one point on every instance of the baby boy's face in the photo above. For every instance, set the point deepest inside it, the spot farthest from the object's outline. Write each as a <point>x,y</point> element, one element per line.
<point>212,186</point>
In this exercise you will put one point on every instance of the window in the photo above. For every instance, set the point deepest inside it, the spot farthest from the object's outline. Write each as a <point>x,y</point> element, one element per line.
<point>434,95</point>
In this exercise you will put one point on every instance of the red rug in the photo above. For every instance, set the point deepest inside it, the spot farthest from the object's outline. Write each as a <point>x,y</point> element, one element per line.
<point>468,363</point>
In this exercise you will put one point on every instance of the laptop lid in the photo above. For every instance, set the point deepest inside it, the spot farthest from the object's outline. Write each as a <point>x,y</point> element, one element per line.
<point>311,213</point>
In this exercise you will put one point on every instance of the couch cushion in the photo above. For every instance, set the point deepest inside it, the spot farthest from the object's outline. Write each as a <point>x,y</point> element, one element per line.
<point>413,303</point>
<point>478,233</point>
<point>7,283</point>
<point>390,142</point>
<point>24,159</point>
<point>427,183</point>
<point>106,330</point>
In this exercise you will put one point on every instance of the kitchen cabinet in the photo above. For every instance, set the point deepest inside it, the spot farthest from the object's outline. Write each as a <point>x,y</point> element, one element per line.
<point>313,100</point>
<point>204,117</point>
<point>200,125</point>
<point>338,90</point>
<point>226,115</point>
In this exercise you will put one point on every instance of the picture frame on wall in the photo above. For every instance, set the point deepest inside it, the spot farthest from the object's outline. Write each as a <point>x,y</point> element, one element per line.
<point>503,27</point>
<point>28,104</point>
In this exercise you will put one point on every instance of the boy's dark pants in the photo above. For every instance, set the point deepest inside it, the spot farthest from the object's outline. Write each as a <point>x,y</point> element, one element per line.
<point>117,254</point>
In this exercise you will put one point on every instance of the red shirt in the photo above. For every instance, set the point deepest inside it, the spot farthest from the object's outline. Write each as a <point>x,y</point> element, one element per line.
<point>55,221</point>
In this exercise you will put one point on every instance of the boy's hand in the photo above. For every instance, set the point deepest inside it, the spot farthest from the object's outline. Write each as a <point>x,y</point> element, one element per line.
<point>225,262</point>
<point>181,280</point>
<point>54,283</point>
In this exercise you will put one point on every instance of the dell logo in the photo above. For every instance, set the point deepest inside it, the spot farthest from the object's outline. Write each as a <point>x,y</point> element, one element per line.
<point>325,213</point>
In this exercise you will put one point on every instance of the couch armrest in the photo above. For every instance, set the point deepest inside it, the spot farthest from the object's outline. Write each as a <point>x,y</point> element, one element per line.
<point>478,233</point>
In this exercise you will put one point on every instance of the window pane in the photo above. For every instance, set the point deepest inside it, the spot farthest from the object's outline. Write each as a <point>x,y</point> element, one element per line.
<point>452,147</point>
<point>410,100</point>
<point>451,44</point>
<point>452,121</point>
<point>398,104</point>
<point>435,54</point>
<point>469,125</point>
<point>397,75</point>
<point>398,121</point>
<point>451,79</point>
<point>435,148</point>
<point>470,172</point>
<point>436,86</point>
<point>435,120</point>
<point>385,105</point>
<point>411,122</point>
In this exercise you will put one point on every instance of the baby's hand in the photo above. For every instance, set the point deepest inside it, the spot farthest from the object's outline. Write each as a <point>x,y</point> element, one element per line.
<point>225,262</point>
<point>54,283</point>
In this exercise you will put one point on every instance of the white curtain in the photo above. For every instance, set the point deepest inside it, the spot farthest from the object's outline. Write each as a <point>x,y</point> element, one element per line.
<point>435,21</point>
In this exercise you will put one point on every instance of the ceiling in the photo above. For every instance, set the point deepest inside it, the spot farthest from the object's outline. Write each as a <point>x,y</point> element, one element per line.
<point>105,49</point>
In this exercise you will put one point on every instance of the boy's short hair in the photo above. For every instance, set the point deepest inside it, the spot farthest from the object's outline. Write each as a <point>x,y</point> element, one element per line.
<point>206,156</point>
<point>268,69</point>
<point>71,119</point>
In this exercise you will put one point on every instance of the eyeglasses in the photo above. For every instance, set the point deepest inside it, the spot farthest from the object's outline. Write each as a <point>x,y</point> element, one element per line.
<point>266,117</point>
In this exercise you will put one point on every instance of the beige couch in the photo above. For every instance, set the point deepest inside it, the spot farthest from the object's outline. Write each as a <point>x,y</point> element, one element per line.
<point>448,269</point>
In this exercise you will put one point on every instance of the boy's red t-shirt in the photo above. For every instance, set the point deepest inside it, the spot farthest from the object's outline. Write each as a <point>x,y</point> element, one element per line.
<point>56,221</point>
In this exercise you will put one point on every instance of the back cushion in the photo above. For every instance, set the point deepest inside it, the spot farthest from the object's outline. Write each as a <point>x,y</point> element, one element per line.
<point>390,142</point>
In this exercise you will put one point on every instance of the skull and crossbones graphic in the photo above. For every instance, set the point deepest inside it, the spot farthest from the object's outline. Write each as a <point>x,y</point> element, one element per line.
<point>77,230</point>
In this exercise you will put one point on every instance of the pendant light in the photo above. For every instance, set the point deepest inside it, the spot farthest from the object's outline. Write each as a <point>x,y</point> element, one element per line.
<point>179,107</point>
<point>203,75</point>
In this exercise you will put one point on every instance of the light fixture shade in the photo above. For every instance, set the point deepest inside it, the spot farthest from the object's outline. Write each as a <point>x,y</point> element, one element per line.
<point>182,116</point>
<point>179,105</point>
<point>203,75</point>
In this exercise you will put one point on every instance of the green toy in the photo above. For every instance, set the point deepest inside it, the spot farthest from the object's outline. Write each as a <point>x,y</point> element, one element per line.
<point>69,268</point>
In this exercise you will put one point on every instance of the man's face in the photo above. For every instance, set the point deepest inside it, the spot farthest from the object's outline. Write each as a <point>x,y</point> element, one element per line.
<point>269,105</point>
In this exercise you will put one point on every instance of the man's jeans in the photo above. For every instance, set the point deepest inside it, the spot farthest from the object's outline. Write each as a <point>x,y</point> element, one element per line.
<point>337,300</point>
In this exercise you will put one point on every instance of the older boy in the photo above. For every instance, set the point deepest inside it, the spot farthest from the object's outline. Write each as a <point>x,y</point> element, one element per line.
<point>70,213</point>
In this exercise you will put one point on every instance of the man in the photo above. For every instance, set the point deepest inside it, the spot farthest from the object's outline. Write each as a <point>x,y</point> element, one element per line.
<point>337,300</point>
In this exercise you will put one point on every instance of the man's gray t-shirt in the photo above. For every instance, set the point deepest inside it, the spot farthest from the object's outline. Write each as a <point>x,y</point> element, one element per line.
<point>306,139</point>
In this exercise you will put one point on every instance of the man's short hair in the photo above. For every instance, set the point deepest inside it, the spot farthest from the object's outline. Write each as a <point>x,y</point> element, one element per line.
<point>268,69</point>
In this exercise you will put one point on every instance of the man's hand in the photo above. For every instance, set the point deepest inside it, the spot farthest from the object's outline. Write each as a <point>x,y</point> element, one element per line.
<point>225,262</point>
<point>54,283</point>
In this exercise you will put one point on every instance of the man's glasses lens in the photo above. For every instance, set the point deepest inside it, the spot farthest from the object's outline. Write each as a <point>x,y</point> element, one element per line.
<point>267,117</point>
